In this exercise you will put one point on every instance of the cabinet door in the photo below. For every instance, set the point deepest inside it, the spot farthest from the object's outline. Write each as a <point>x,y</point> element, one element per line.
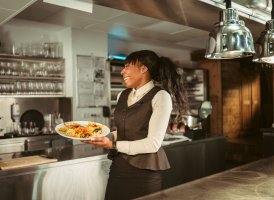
<point>231,92</point>
<point>250,100</point>
<point>256,102</point>
<point>246,104</point>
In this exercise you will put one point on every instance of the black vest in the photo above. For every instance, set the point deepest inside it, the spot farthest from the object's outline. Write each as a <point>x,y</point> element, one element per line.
<point>132,124</point>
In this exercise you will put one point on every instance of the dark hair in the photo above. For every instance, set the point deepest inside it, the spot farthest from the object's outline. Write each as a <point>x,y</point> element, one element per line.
<point>165,72</point>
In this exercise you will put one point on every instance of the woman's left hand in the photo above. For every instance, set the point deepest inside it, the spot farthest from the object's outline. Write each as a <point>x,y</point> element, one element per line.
<point>100,141</point>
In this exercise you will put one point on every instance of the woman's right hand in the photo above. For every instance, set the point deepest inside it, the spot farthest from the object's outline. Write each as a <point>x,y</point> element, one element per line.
<point>100,142</point>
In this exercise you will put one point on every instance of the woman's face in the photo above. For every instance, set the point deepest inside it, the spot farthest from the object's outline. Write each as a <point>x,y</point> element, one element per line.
<point>134,75</point>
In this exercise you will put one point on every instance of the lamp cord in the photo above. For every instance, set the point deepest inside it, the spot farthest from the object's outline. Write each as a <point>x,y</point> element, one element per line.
<point>228,3</point>
<point>272,11</point>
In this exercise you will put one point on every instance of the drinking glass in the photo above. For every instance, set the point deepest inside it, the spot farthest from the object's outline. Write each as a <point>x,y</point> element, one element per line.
<point>14,66</point>
<point>24,87</point>
<point>8,69</point>
<point>31,88</point>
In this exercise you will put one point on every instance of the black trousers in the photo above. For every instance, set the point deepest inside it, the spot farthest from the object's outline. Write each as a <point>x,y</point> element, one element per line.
<point>127,182</point>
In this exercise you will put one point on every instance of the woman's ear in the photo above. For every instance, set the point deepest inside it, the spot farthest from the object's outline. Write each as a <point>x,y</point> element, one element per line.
<point>144,69</point>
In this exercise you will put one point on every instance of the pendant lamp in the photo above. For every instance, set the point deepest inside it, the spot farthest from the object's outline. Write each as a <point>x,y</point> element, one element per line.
<point>230,38</point>
<point>265,44</point>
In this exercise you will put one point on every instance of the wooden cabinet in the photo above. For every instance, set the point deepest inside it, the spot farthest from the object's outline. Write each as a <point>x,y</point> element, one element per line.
<point>250,102</point>
<point>241,98</point>
<point>215,95</point>
<point>234,91</point>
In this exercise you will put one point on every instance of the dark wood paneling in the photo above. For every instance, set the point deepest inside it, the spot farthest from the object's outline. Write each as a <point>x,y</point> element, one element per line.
<point>193,160</point>
<point>215,94</point>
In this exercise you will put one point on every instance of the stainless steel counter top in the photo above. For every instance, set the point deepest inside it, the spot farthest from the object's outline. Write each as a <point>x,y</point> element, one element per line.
<point>81,172</point>
<point>29,143</point>
<point>65,155</point>
<point>171,138</point>
<point>253,181</point>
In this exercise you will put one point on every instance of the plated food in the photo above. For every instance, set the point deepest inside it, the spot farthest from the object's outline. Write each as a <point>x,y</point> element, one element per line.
<point>82,130</point>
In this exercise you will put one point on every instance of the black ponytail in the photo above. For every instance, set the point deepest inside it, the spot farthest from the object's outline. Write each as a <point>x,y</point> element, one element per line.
<point>166,73</point>
<point>173,82</point>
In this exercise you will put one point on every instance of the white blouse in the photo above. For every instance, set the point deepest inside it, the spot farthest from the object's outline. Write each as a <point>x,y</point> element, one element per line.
<point>161,110</point>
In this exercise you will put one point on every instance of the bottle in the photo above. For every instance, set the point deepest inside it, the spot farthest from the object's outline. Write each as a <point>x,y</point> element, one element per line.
<point>31,128</point>
<point>25,130</point>
<point>15,112</point>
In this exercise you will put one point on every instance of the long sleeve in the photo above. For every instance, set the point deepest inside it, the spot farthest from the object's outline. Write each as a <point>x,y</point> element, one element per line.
<point>161,106</point>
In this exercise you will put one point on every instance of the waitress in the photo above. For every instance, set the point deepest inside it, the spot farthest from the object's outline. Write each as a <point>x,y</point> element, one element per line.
<point>141,116</point>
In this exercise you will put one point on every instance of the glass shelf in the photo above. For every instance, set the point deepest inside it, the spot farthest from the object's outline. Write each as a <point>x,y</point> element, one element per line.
<point>26,76</point>
<point>31,95</point>
<point>9,57</point>
<point>15,78</point>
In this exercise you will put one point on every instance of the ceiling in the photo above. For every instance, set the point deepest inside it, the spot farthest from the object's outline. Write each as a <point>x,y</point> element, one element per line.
<point>182,23</point>
<point>200,14</point>
<point>8,9</point>
<point>117,23</point>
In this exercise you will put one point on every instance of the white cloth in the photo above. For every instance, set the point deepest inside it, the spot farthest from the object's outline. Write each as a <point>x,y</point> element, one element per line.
<point>161,110</point>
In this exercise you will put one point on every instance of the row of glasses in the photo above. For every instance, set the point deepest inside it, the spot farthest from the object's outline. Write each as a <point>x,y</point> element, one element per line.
<point>8,69</point>
<point>36,69</point>
<point>29,128</point>
<point>31,87</point>
<point>46,49</point>
<point>7,88</point>
<point>23,129</point>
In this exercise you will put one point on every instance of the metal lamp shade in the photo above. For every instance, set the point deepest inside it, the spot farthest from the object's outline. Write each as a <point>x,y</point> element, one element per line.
<point>230,38</point>
<point>265,45</point>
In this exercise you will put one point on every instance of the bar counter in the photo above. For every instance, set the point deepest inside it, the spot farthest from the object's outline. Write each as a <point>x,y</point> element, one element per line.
<point>253,181</point>
<point>81,171</point>
<point>64,154</point>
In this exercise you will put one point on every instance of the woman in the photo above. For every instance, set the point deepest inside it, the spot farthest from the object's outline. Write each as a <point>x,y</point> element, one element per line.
<point>141,116</point>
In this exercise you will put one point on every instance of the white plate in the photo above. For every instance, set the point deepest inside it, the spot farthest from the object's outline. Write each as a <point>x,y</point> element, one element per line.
<point>105,130</point>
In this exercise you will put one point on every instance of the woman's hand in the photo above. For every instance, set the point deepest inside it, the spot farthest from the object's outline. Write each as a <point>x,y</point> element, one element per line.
<point>100,141</point>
